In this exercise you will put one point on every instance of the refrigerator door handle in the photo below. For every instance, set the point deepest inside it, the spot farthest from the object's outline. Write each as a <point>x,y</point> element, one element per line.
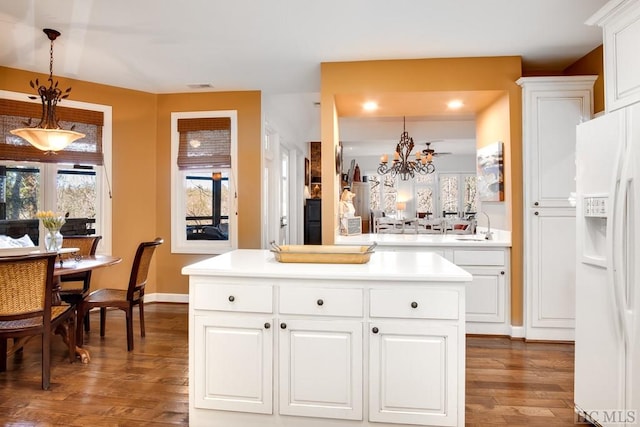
<point>621,257</point>
<point>613,242</point>
<point>628,257</point>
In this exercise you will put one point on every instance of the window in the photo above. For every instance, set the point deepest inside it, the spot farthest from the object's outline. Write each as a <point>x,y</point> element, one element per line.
<point>203,196</point>
<point>74,181</point>
<point>457,194</point>
<point>425,199</point>
<point>383,193</point>
<point>435,194</point>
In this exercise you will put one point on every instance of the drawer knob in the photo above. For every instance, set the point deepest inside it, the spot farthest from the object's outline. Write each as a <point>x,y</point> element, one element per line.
<point>414,304</point>
<point>536,204</point>
<point>320,302</point>
<point>374,330</point>
<point>502,272</point>
<point>536,213</point>
<point>267,325</point>
<point>283,325</point>
<point>232,298</point>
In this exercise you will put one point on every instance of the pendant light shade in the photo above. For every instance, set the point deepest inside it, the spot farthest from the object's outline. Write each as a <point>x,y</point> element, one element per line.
<point>48,139</point>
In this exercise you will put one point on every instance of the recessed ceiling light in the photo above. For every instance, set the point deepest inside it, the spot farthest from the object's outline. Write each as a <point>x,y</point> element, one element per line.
<point>455,104</point>
<point>370,106</point>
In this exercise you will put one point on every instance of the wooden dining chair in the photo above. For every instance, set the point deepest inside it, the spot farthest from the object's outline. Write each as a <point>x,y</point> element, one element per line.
<point>87,246</point>
<point>26,294</point>
<point>123,299</point>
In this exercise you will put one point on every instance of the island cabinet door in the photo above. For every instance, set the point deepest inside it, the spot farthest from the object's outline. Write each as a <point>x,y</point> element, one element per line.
<point>413,373</point>
<point>233,363</point>
<point>320,368</point>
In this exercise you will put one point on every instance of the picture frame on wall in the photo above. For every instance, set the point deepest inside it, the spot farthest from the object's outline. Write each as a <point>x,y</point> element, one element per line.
<point>307,172</point>
<point>490,173</point>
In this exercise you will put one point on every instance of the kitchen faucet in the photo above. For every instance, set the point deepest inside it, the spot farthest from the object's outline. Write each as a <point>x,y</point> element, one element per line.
<point>488,235</point>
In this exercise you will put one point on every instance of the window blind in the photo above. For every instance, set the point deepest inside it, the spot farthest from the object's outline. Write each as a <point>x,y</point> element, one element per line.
<point>204,143</point>
<point>16,114</point>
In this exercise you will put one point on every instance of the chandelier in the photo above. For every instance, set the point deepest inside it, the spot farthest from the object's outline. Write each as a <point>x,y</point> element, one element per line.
<point>402,164</point>
<point>47,135</point>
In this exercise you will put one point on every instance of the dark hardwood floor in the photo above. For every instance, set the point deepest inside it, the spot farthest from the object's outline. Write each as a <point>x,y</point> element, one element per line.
<point>509,383</point>
<point>515,383</point>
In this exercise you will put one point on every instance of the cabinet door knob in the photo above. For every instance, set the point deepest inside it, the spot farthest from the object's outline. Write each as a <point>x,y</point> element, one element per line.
<point>374,330</point>
<point>232,298</point>
<point>536,204</point>
<point>267,325</point>
<point>535,213</point>
<point>320,302</point>
<point>502,272</point>
<point>283,325</point>
<point>414,304</point>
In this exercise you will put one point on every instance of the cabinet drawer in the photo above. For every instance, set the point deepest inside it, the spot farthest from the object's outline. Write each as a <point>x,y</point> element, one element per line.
<point>321,301</point>
<point>256,299</point>
<point>470,257</point>
<point>414,303</point>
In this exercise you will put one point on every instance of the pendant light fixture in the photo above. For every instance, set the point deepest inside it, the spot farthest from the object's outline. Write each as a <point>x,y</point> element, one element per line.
<point>402,164</point>
<point>47,135</point>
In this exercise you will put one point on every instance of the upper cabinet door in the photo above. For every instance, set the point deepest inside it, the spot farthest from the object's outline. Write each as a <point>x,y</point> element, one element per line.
<point>552,108</point>
<point>620,22</point>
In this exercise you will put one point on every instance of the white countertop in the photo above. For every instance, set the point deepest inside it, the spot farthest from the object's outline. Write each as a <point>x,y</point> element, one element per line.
<point>500,239</point>
<point>390,266</point>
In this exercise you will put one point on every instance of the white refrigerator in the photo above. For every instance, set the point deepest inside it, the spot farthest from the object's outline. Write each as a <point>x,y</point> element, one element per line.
<point>607,338</point>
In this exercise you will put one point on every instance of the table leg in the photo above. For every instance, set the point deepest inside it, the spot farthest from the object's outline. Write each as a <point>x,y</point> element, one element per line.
<point>82,353</point>
<point>62,330</point>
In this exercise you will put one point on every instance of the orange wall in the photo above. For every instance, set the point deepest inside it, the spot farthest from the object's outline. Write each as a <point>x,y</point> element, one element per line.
<point>491,127</point>
<point>591,64</point>
<point>249,183</point>
<point>141,170</point>
<point>421,75</point>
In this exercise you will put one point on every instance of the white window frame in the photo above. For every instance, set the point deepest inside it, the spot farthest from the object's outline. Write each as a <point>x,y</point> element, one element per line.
<point>49,171</point>
<point>179,242</point>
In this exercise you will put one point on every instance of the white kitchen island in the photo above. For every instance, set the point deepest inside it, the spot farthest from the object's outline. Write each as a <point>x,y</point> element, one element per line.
<point>326,345</point>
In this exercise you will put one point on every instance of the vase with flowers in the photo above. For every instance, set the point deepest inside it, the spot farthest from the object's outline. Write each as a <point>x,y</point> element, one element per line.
<point>52,222</point>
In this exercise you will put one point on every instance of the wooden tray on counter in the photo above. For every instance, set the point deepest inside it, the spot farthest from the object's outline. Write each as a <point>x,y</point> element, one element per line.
<point>322,254</point>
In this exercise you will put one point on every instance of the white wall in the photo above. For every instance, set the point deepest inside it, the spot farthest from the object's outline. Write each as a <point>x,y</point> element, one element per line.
<point>293,121</point>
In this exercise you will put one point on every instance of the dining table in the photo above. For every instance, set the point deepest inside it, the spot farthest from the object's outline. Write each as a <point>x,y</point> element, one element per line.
<point>72,265</point>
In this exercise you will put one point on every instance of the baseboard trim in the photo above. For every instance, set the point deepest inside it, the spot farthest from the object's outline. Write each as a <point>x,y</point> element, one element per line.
<point>161,297</point>
<point>517,331</point>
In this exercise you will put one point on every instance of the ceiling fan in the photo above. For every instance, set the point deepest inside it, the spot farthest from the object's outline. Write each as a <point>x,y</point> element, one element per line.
<point>430,151</point>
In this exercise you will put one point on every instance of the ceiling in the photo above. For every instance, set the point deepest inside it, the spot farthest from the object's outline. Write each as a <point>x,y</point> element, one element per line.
<point>276,46</point>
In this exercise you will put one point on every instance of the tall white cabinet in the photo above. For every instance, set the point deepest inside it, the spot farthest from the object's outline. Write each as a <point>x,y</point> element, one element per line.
<point>552,107</point>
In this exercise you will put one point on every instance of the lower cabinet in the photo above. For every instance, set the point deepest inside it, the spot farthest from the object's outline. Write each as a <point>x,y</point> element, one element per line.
<point>551,279</point>
<point>488,305</point>
<point>487,301</point>
<point>413,373</point>
<point>323,351</point>
<point>234,359</point>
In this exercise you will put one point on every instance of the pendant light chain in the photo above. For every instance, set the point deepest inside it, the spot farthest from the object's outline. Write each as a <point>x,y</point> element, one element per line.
<point>51,60</point>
